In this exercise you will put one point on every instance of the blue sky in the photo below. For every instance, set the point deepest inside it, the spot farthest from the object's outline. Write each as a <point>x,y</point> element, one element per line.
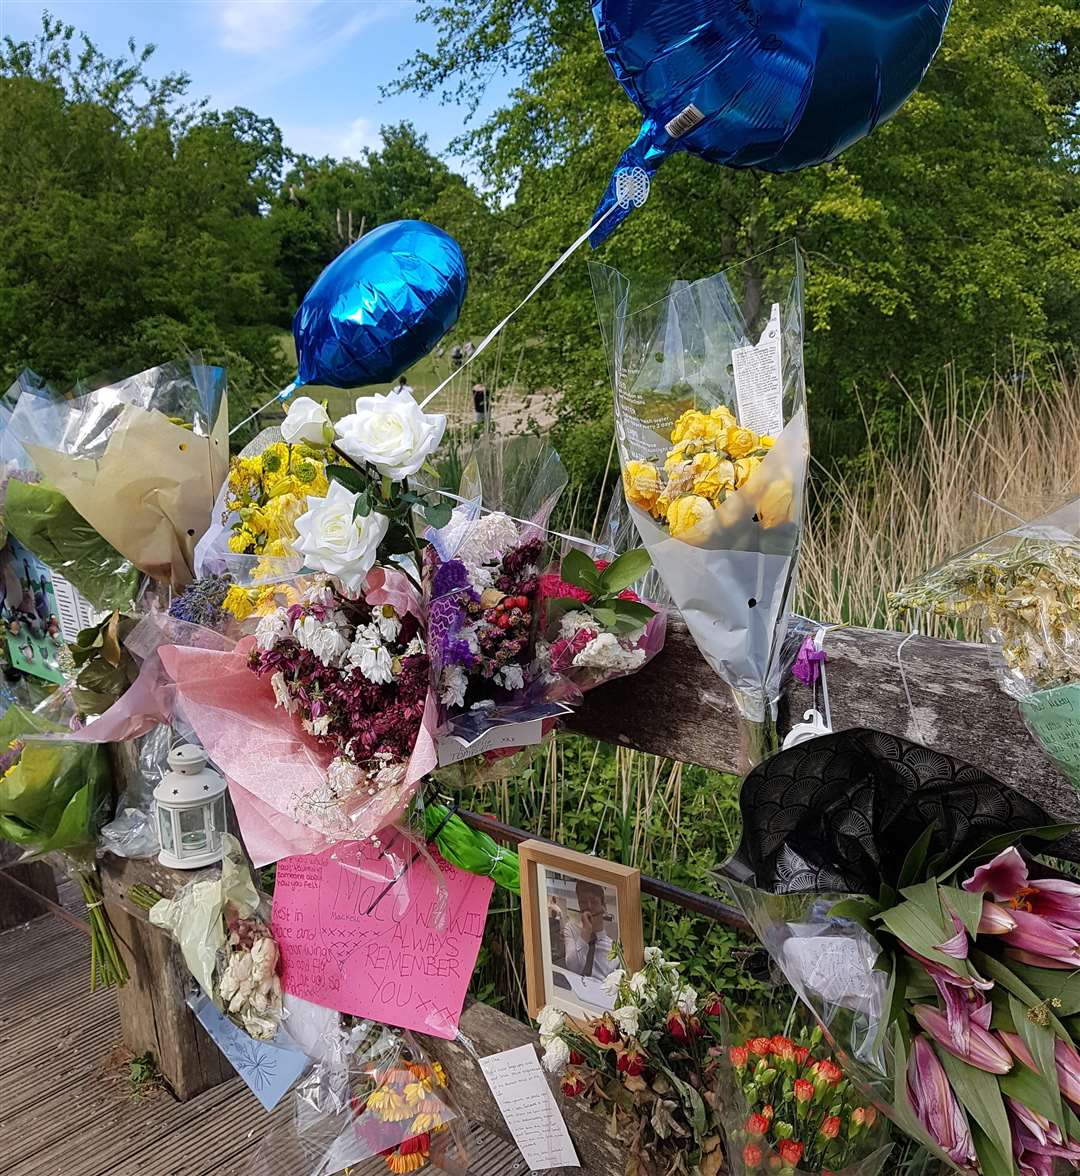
<point>314,66</point>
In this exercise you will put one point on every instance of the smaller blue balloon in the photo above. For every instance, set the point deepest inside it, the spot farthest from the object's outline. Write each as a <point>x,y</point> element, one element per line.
<point>380,306</point>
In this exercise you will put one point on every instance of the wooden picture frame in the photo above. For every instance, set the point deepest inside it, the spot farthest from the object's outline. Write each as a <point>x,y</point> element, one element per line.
<point>559,934</point>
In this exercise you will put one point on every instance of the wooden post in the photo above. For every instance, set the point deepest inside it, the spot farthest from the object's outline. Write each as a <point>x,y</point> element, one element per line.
<point>17,903</point>
<point>154,1015</point>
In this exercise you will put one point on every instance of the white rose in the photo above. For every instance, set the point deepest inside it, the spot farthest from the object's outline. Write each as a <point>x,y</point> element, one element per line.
<point>332,541</point>
<point>551,1021</point>
<point>653,955</point>
<point>556,1056</point>
<point>307,421</point>
<point>329,645</point>
<point>628,1018</point>
<point>391,433</point>
<point>639,984</point>
<point>272,628</point>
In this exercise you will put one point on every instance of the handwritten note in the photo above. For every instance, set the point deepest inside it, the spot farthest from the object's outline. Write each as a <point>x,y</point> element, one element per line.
<point>532,1115</point>
<point>357,938</point>
<point>759,385</point>
<point>268,1068</point>
<point>1054,718</point>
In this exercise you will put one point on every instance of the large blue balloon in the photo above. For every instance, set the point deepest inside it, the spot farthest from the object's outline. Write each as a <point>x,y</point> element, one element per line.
<point>774,84</point>
<point>380,306</point>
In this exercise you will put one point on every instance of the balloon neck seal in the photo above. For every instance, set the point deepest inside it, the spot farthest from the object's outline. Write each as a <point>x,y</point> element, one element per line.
<point>631,187</point>
<point>287,391</point>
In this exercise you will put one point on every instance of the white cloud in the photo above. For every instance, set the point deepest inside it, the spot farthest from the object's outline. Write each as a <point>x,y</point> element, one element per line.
<point>257,27</point>
<point>337,141</point>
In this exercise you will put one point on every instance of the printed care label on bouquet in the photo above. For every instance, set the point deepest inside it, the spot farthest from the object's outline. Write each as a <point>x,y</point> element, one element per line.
<point>759,380</point>
<point>268,1068</point>
<point>532,1115</point>
<point>478,731</point>
<point>1054,718</point>
<point>359,931</point>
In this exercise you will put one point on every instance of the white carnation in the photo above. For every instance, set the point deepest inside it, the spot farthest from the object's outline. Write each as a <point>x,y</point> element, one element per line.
<point>329,645</point>
<point>453,685</point>
<point>372,660</point>
<point>343,776</point>
<point>511,677</point>
<point>605,653</point>
<point>574,620</point>
<point>556,1056</point>
<point>318,726</point>
<point>272,628</point>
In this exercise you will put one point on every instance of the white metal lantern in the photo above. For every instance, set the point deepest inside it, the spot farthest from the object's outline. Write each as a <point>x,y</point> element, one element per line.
<point>190,810</point>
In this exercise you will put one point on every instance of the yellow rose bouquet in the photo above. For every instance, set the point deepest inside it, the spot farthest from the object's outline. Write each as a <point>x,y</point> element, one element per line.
<point>710,420</point>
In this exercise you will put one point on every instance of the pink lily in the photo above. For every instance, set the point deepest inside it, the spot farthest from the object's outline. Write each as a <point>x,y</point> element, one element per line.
<point>1036,1138</point>
<point>936,1105</point>
<point>995,920</point>
<point>1066,1063</point>
<point>1038,961</point>
<point>983,1050</point>
<point>1035,936</point>
<point>1002,877</point>
<point>1056,899</point>
<point>957,946</point>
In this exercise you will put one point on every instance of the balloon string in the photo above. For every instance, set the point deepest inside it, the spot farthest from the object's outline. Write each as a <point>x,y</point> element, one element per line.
<point>492,334</point>
<point>284,394</point>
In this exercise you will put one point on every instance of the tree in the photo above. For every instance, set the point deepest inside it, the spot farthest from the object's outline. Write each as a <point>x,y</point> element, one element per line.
<point>132,227</point>
<point>949,236</point>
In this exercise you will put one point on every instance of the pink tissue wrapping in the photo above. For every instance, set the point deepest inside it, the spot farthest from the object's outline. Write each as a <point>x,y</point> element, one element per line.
<point>271,763</point>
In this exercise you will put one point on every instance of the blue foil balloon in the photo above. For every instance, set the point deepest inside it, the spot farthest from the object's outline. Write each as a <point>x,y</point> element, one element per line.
<point>774,84</point>
<point>380,306</point>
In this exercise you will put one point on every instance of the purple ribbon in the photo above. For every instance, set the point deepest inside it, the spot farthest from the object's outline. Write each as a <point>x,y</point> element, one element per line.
<point>807,667</point>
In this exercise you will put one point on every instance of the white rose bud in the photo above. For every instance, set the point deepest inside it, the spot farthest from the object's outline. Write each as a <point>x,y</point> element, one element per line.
<point>307,421</point>
<point>556,1056</point>
<point>332,541</point>
<point>391,433</point>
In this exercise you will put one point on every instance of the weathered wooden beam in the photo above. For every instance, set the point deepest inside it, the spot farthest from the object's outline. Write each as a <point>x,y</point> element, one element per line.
<point>677,707</point>
<point>20,886</point>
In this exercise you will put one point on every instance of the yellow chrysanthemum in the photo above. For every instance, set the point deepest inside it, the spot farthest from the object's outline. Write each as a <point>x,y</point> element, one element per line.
<point>740,442</point>
<point>389,1105</point>
<point>641,481</point>
<point>686,514</point>
<point>239,601</point>
<point>241,541</point>
<point>775,505</point>
<point>255,521</point>
<point>744,467</point>
<point>275,458</point>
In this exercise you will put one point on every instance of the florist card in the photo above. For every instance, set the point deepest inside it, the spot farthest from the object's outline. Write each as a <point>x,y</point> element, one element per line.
<point>359,931</point>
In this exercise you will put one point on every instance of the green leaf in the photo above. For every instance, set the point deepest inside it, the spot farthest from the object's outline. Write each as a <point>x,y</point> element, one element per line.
<point>633,612</point>
<point>624,571</point>
<point>915,858</point>
<point>1002,841</point>
<point>362,506</point>
<point>995,970</point>
<point>966,906</point>
<point>991,1161</point>
<point>913,925</point>
<point>606,617</point>
<point>926,895</point>
<point>858,910</point>
<point>1051,983</point>
<point>980,1096</point>
<point>349,476</point>
<point>579,570</point>
<point>437,514</point>
<point>1040,1044</point>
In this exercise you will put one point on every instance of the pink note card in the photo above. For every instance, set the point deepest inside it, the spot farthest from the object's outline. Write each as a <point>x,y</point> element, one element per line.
<point>354,939</point>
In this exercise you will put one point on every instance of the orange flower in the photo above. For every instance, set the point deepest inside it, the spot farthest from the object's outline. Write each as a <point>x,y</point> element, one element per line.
<point>751,1156</point>
<point>790,1151</point>
<point>739,1055</point>
<point>759,1046</point>
<point>830,1127</point>
<point>829,1072</point>
<point>757,1125</point>
<point>804,1091</point>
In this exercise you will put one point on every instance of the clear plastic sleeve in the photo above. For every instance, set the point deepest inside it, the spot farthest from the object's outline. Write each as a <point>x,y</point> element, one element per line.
<point>157,441</point>
<point>381,1095</point>
<point>710,421</point>
<point>133,832</point>
<point>1022,587</point>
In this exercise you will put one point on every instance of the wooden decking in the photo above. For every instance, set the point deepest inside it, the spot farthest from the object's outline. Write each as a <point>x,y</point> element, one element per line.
<point>65,1103</point>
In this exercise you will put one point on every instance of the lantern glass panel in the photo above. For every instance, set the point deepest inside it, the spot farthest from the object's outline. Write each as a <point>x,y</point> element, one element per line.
<point>165,830</point>
<point>217,815</point>
<point>193,834</point>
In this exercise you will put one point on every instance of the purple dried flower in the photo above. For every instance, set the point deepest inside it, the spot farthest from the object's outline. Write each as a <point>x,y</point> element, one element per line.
<point>451,576</point>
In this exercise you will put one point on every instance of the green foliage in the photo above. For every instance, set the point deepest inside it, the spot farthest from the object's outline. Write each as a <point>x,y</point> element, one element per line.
<point>950,236</point>
<point>143,1076</point>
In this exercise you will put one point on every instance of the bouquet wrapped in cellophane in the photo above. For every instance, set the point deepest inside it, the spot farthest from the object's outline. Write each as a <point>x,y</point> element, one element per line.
<point>156,442</point>
<point>711,426</point>
<point>222,925</point>
<point>1023,588</point>
<point>373,1091</point>
<point>891,888</point>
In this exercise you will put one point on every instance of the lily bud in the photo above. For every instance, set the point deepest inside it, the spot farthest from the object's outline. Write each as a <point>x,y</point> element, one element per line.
<point>983,1050</point>
<point>936,1105</point>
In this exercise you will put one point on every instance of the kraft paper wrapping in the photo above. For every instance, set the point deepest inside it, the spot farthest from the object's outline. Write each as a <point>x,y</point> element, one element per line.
<point>151,493</point>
